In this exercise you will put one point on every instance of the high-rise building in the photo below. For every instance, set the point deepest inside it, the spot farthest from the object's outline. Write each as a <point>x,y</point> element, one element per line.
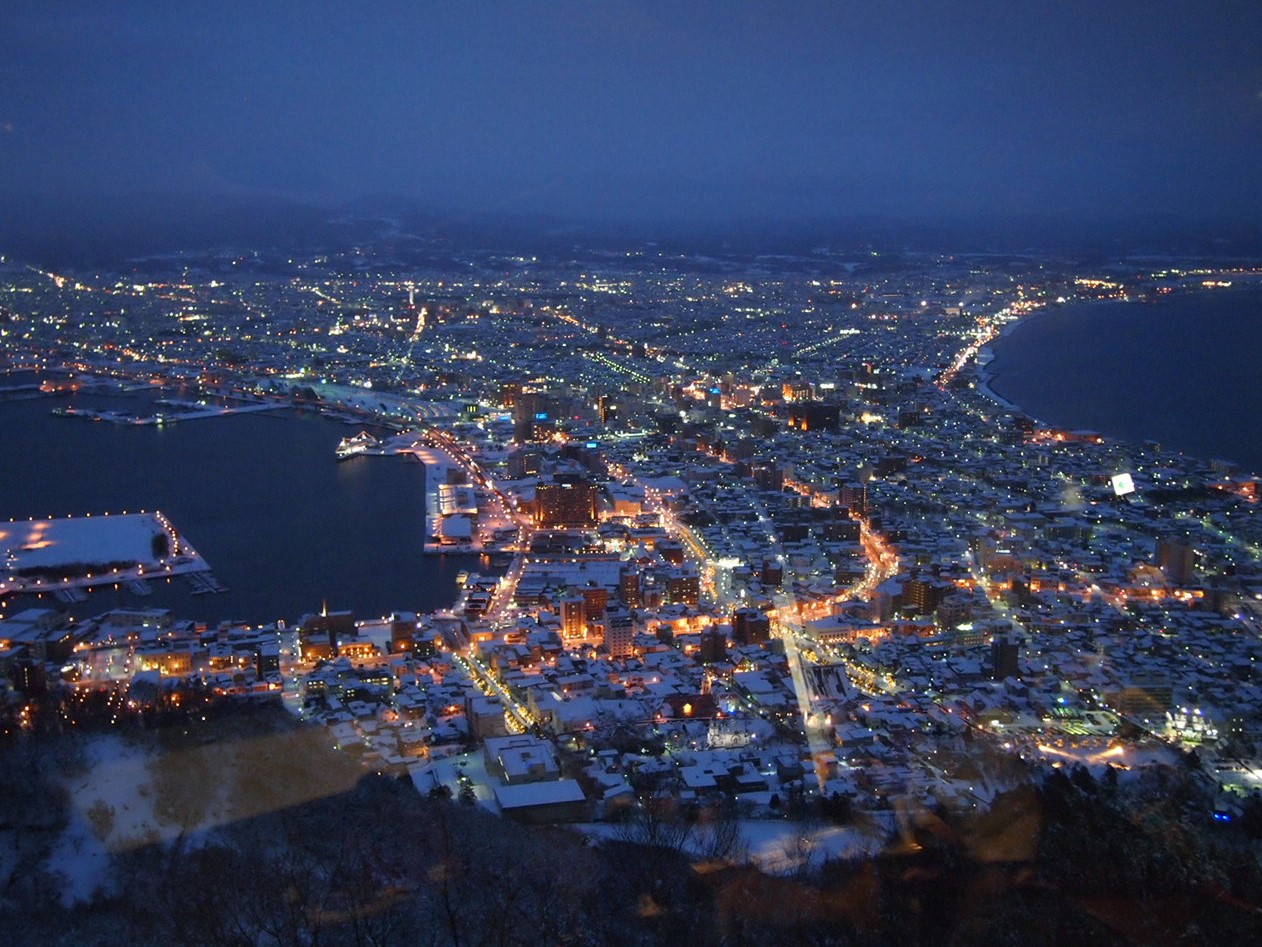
<point>402,631</point>
<point>683,587</point>
<point>629,586</point>
<point>266,659</point>
<point>1143,695</point>
<point>750,626</point>
<point>565,504</point>
<point>595,598</point>
<point>952,610</point>
<point>524,462</point>
<point>815,416</point>
<point>1176,559</point>
<point>853,495</point>
<point>1005,651</point>
<point>924,593</point>
<point>796,390</point>
<point>768,474</point>
<point>573,616</point>
<point>672,550</point>
<point>619,632</point>
<point>485,716</point>
<point>771,573</point>
<point>713,646</point>
<point>608,408</point>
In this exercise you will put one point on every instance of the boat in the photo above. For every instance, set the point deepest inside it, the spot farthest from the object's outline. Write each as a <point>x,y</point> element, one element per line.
<point>358,444</point>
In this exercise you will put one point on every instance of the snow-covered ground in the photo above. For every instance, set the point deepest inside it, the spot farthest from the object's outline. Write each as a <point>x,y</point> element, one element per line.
<point>128,795</point>
<point>117,779</point>
<point>89,540</point>
<point>1100,754</point>
<point>447,771</point>
<point>779,846</point>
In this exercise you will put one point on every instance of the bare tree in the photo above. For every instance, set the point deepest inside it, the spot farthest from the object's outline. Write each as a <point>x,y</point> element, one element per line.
<point>656,822</point>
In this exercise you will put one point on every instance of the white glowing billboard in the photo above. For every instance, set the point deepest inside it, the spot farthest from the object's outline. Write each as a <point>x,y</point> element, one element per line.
<point>1123,484</point>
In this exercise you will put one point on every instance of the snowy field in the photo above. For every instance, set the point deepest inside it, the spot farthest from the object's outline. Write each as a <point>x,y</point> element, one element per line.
<point>781,846</point>
<point>87,541</point>
<point>1097,755</point>
<point>112,809</point>
<point>129,795</point>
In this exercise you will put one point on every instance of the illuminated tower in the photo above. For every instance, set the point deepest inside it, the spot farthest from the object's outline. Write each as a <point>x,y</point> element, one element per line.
<point>619,632</point>
<point>573,616</point>
<point>565,504</point>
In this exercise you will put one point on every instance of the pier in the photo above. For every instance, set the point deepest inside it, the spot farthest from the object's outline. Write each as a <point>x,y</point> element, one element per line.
<point>64,556</point>
<point>189,411</point>
<point>205,583</point>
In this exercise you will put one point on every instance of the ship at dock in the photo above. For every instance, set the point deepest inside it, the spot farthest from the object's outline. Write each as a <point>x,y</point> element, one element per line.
<point>361,443</point>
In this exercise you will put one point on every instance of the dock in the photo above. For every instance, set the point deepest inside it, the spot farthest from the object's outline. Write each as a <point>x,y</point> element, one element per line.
<point>205,583</point>
<point>187,411</point>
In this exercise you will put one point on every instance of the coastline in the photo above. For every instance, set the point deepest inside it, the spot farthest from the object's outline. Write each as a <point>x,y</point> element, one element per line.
<point>986,355</point>
<point>362,552</point>
<point>990,374</point>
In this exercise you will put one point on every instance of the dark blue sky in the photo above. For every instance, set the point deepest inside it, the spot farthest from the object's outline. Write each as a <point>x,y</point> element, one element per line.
<point>674,110</point>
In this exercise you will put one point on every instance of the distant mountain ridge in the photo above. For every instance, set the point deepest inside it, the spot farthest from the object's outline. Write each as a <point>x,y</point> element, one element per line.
<point>109,230</point>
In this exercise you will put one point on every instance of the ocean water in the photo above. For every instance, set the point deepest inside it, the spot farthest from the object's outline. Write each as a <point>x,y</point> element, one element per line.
<point>283,524</point>
<point>1185,371</point>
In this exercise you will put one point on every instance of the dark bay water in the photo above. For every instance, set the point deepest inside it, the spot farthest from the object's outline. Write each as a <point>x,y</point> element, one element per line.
<point>1185,371</point>
<point>283,525</point>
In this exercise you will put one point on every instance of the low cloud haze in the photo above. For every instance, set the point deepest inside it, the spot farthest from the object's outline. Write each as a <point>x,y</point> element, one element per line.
<point>690,114</point>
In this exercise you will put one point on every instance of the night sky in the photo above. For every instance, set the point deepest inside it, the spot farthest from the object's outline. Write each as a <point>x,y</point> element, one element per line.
<point>677,110</point>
